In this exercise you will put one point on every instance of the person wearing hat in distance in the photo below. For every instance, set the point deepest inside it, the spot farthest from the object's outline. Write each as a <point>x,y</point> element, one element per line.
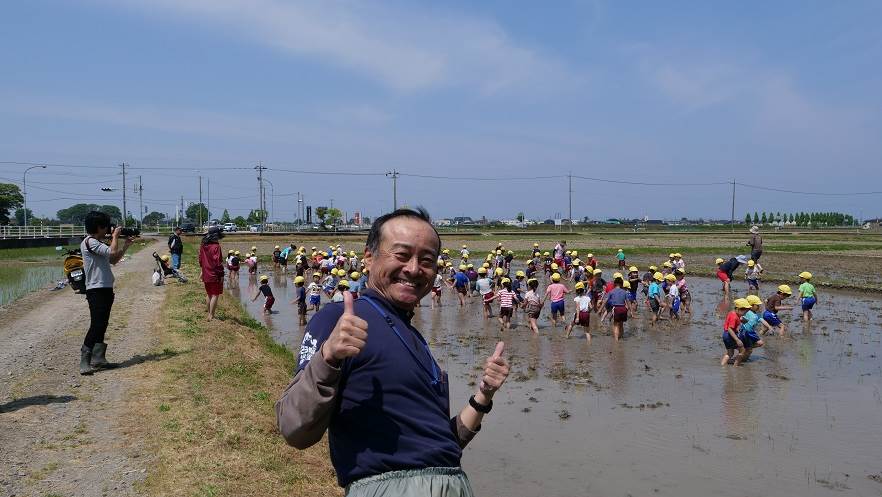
<point>555,293</point>
<point>731,326</point>
<point>342,288</point>
<point>485,289</point>
<point>212,264</point>
<point>655,296</point>
<point>755,243</point>
<point>506,298</point>
<point>464,255</point>
<point>267,292</point>
<point>300,298</point>
<point>752,275</point>
<point>620,256</point>
<point>536,252</point>
<point>808,296</point>
<point>460,284</point>
<point>618,300</point>
<point>283,256</point>
<point>355,283</point>
<point>363,364</point>
<point>774,304</point>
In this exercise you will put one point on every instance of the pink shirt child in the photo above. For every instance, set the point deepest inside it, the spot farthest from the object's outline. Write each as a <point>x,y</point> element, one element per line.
<point>556,292</point>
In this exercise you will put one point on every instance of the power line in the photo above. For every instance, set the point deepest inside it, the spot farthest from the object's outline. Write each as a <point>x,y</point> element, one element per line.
<point>473,178</point>
<point>328,173</point>
<point>825,194</point>
<point>644,183</point>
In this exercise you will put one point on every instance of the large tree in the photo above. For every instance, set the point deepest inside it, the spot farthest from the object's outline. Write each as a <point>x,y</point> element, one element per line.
<point>153,218</point>
<point>19,217</point>
<point>240,221</point>
<point>76,213</point>
<point>10,199</point>
<point>334,215</point>
<point>321,212</point>
<point>197,212</point>
<point>225,217</point>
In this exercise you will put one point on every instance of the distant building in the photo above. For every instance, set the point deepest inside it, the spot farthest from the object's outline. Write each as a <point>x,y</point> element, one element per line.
<point>463,220</point>
<point>443,222</point>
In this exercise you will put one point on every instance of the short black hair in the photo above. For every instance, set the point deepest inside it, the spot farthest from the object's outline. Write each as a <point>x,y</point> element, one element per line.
<point>376,233</point>
<point>96,220</point>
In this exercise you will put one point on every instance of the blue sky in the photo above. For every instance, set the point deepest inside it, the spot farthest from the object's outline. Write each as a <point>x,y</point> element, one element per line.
<point>774,94</point>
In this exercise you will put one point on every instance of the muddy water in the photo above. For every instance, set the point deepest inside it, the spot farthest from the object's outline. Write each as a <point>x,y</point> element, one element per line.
<point>655,414</point>
<point>17,280</point>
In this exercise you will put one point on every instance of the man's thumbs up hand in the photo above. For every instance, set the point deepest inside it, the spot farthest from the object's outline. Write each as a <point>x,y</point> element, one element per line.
<point>348,337</point>
<point>496,371</point>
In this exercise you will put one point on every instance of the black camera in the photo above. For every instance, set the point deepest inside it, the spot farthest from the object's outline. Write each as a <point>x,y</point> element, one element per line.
<point>125,232</point>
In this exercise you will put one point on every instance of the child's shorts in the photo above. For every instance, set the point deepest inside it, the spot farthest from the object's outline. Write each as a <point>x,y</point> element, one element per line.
<point>268,304</point>
<point>723,276</point>
<point>753,284</point>
<point>808,303</point>
<point>461,290</point>
<point>729,342</point>
<point>505,311</point>
<point>583,318</point>
<point>488,297</point>
<point>620,314</point>
<point>654,305</point>
<point>771,318</point>
<point>436,290</point>
<point>315,299</point>
<point>557,307</point>
<point>675,307</point>
<point>301,309</point>
<point>632,295</point>
<point>749,339</point>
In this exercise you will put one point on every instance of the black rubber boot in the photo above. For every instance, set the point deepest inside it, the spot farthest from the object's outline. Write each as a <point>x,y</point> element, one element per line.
<point>98,361</point>
<point>85,359</point>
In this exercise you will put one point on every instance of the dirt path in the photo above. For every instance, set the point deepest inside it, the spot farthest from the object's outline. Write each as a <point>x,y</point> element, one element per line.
<point>61,433</point>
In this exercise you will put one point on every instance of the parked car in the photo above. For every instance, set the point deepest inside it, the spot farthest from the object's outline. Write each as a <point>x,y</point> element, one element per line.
<point>188,228</point>
<point>254,228</point>
<point>229,227</point>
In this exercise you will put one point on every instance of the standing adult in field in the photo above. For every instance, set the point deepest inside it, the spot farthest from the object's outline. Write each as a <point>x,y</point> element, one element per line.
<point>212,263</point>
<point>756,244</point>
<point>176,247</point>
<point>97,258</point>
<point>366,375</point>
<point>559,251</point>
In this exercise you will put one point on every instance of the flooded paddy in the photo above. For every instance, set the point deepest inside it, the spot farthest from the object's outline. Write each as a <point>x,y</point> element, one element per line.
<point>655,414</point>
<point>17,280</point>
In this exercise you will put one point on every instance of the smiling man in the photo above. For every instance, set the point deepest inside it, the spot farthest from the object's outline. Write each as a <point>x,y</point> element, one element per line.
<point>368,377</point>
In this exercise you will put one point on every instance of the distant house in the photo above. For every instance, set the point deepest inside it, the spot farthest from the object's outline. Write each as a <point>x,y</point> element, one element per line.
<point>463,220</point>
<point>612,221</point>
<point>443,222</point>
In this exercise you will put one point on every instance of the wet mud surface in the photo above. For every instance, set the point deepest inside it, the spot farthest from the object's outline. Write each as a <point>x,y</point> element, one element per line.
<point>655,414</point>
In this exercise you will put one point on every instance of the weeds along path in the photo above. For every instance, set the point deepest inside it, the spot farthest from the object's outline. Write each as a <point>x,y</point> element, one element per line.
<point>60,432</point>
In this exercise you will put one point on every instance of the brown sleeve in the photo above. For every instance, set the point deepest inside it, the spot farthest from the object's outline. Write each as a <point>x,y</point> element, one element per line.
<point>463,434</point>
<point>304,411</point>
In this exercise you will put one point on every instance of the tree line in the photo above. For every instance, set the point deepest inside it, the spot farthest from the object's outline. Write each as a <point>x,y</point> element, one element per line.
<point>801,218</point>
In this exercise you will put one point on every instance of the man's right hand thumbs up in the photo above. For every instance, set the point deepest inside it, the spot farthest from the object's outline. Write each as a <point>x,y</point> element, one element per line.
<point>348,337</point>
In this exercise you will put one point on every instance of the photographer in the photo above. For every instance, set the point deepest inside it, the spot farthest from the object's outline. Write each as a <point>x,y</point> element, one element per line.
<point>176,247</point>
<point>97,258</point>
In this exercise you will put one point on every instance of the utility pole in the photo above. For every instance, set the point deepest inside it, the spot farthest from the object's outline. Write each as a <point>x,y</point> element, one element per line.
<point>124,216</point>
<point>209,200</point>
<point>733,205</point>
<point>139,189</point>
<point>570,189</point>
<point>200,202</point>
<point>181,212</point>
<point>394,175</point>
<point>260,193</point>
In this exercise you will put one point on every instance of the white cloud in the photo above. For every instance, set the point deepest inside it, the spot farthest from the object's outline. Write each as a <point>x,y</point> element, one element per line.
<point>400,47</point>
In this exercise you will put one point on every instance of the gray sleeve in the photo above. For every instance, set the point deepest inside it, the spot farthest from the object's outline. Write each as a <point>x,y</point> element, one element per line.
<point>98,248</point>
<point>304,411</point>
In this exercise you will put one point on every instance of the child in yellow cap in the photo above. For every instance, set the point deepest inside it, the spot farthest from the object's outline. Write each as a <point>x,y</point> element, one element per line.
<point>533,304</point>
<point>808,296</point>
<point>774,304</point>
<point>582,315</point>
<point>300,299</point>
<point>267,292</point>
<point>731,326</point>
<point>752,275</point>
<point>555,292</point>
<point>620,256</point>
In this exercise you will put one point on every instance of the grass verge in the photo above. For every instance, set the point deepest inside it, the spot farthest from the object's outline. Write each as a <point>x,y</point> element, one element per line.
<point>210,415</point>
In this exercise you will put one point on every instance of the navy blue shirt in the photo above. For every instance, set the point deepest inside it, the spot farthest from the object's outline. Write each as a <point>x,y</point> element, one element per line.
<point>460,279</point>
<point>389,416</point>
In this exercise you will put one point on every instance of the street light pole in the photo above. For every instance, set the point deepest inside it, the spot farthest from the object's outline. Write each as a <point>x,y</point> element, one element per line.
<point>24,183</point>
<point>272,199</point>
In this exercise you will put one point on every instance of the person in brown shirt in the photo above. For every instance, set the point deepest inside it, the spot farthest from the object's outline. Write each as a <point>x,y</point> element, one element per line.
<point>755,243</point>
<point>775,304</point>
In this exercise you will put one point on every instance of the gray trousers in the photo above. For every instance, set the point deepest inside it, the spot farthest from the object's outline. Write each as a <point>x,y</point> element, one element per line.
<point>428,482</point>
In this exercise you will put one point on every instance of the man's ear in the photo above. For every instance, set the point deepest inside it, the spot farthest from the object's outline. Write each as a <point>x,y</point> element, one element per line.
<point>367,258</point>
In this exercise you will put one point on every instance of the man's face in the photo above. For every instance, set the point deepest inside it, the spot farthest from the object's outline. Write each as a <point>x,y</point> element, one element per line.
<point>178,231</point>
<point>404,266</point>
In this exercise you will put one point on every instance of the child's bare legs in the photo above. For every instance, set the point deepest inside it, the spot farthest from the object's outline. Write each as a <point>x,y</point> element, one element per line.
<point>743,356</point>
<point>534,326</point>
<point>212,305</point>
<point>587,334</point>
<point>728,355</point>
<point>618,329</point>
<point>806,315</point>
<point>507,323</point>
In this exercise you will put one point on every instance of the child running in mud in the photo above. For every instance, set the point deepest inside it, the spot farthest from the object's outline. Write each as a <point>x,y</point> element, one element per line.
<point>755,304</point>
<point>774,304</point>
<point>685,296</point>
<point>485,289</point>
<point>731,340</point>
<point>555,292</point>
<point>329,284</point>
<point>620,256</point>
<point>597,286</point>
<point>506,299</point>
<point>656,300</point>
<point>673,297</point>
<point>752,275</point>
<point>633,284</point>
<point>533,304</point>
<point>436,290</point>
<point>748,334</point>
<point>808,296</point>
<point>300,299</point>
<point>277,255</point>
<point>234,266</point>
<point>582,316</point>
<point>617,300</point>
<point>267,292</point>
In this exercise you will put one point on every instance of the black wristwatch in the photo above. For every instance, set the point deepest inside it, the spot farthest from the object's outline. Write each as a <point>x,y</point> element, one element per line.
<point>478,407</point>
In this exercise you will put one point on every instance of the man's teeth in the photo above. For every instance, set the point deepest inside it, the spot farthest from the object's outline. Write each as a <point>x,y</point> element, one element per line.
<point>405,282</point>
